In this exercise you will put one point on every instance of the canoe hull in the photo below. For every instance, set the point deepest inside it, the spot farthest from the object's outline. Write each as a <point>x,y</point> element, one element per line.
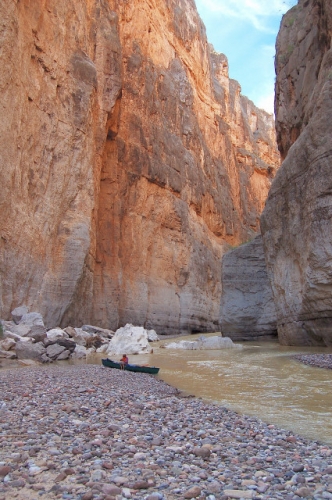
<point>130,368</point>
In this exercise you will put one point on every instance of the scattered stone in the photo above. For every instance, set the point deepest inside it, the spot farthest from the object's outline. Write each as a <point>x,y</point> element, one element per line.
<point>60,440</point>
<point>4,470</point>
<point>194,492</point>
<point>239,494</point>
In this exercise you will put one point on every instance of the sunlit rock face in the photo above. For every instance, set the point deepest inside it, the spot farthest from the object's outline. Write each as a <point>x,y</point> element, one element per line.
<point>129,163</point>
<point>247,306</point>
<point>296,223</point>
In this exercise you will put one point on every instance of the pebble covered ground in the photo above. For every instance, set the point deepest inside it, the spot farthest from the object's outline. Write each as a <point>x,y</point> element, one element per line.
<point>318,360</point>
<point>89,432</point>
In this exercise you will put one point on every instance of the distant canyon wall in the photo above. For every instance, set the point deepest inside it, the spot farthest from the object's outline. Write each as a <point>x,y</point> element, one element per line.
<point>247,305</point>
<point>296,223</point>
<point>129,163</point>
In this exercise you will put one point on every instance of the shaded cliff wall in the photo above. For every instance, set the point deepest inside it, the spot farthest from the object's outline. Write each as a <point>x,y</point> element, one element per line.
<point>296,223</point>
<point>247,305</point>
<point>129,162</point>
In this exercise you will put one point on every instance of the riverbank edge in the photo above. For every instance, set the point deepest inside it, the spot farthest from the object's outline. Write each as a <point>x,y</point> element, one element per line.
<point>97,433</point>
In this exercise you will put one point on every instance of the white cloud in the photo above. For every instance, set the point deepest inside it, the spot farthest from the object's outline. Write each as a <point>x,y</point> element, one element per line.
<point>258,12</point>
<point>266,102</point>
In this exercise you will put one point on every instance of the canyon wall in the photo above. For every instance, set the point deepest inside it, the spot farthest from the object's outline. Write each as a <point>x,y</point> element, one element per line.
<point>247,306</point>
<point>296,223</point>
<point>129,160</point>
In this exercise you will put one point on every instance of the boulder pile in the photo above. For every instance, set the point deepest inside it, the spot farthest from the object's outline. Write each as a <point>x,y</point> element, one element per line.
<point>26,337</point>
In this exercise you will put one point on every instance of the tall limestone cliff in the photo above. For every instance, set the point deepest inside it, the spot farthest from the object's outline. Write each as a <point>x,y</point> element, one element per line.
<point>296,223</point>
<point>129,162</point>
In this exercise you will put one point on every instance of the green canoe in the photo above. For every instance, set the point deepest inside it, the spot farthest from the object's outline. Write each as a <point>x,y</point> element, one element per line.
<point>131,368</point>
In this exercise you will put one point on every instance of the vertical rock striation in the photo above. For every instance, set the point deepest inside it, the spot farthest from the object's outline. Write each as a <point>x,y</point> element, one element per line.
<point>247,305</point>
<point>296,223</point>
<point>129,162</point>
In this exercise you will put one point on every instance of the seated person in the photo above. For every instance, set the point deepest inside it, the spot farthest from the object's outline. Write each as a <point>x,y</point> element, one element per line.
<point>124,361</point>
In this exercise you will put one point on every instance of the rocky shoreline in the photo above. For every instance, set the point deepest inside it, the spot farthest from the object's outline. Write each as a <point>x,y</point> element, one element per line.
<point>317,360</point>
<point>89,432</point>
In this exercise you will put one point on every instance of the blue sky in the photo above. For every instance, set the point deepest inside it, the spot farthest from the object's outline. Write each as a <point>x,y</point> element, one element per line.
<point>245,31</point>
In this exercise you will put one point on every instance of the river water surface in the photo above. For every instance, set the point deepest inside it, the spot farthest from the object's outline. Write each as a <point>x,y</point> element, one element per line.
<point>261,380</point>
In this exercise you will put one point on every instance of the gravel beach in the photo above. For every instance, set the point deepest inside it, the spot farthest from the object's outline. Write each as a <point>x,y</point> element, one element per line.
<point>317,360</point>
<point>89,432</point>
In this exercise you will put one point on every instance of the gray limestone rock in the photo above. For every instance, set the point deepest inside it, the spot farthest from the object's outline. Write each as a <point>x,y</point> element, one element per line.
<point>296,222</point>
<point>37,332</point>
<point>18,312</point>
<point>7,354</point>
<point>26,350</point>
<point>64,355</point>
<point>247,308</point>
<point>32,319</point>
<point>21,329</point>
<point>54,350</point>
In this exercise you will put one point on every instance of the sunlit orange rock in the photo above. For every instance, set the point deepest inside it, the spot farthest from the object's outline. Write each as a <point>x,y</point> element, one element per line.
<point>129,163</point>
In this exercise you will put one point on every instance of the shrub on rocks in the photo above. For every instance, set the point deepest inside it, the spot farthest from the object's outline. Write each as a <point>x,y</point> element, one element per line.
<point>94,341</point>
<point>79,336</point>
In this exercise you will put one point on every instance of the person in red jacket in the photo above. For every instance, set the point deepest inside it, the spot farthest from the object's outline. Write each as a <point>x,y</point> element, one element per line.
<point>124,361</point>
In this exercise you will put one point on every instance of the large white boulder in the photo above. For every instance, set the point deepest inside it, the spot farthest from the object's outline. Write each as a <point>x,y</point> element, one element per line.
<point>204,343</point>
<point>152,336</point>
<point>129,340</point>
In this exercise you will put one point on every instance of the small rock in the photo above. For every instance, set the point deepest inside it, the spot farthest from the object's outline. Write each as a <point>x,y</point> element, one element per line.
<point>203,452</point>
<point>239,494</point>
<point>298,467</point>
<point>303,492</point>
<point>4,470</point>
<point>193,492</point>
